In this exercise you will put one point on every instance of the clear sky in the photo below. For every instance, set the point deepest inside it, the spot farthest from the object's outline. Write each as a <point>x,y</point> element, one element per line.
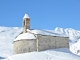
<point>44,14</point>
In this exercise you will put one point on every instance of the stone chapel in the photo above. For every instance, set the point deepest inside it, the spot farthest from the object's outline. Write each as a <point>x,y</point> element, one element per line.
<point>30,40</point>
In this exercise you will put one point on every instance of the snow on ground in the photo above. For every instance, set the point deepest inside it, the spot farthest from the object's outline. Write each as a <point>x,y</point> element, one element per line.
<point>53,54</point>
<point>8,34</point>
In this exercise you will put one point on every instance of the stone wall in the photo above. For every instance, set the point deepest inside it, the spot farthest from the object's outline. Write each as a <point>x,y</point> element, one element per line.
<point>49,42</point>
<point>24,46</point>
<point>42,42</point>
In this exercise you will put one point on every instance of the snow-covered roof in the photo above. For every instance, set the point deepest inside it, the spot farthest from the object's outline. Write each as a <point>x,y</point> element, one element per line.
<point>25,36</point>
<point>38,31</point>
<point>26,16</point>
<point>48,32</point>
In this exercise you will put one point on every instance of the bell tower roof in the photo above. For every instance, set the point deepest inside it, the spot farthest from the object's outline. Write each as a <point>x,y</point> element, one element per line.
<point>25,16</point>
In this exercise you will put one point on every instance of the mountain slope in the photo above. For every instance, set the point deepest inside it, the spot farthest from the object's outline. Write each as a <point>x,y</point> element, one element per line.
<point>8,34</point>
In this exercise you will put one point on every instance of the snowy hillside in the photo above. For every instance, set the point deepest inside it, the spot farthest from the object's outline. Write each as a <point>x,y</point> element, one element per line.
<point>8,34</point>
<point>54,54</point>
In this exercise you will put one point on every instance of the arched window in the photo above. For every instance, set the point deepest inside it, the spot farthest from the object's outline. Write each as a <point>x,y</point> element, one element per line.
<point>23,22</point>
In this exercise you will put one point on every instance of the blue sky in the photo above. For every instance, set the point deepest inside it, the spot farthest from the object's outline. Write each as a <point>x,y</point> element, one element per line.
<point>44,14</point>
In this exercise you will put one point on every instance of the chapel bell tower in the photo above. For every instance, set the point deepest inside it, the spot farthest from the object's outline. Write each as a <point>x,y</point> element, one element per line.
<point>26,23</point>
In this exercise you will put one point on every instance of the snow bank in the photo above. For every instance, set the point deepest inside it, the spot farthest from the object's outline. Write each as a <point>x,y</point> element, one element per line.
<point>54,54</point>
